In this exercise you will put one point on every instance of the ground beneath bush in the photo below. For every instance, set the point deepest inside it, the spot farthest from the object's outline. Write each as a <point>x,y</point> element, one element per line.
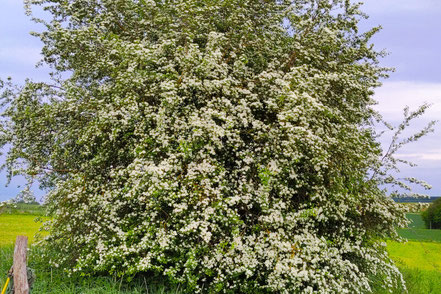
<point>419,260</point>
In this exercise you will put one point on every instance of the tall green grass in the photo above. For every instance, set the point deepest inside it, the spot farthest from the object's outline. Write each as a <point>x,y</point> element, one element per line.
<point>50,280</point>
<point>54,281</point>
<point>417,282</point>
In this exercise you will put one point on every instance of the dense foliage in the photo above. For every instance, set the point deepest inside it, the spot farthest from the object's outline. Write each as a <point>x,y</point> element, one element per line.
<point>226,145</point>
<point>432,215</point>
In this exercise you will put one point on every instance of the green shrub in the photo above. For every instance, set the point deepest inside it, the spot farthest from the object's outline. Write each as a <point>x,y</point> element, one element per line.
<point>432,215</point>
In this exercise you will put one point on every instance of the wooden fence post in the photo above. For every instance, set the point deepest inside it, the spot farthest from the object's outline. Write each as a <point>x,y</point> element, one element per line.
<point>21,285</point>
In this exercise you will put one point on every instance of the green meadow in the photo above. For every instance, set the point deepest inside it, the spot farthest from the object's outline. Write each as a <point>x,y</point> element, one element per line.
<point>24,209</point>
<point>420,234</point>
<point>417,230</point>
<point>12,225</point>
<point>417,255</point>
<point>419,260</point>
<point>416,221</point>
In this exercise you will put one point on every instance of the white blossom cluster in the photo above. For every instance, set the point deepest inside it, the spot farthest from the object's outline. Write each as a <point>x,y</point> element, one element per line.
<point>415,206</point>
<point>225,145</point>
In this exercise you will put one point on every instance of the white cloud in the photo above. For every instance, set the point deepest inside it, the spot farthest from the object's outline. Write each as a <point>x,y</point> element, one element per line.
<point>392,97</point>
<point>430,155</point>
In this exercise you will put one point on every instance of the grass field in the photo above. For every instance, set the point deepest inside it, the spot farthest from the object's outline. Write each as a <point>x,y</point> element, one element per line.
<point>418,260</point>
<point>417,255</point>
<point>12,225</point>
<point>418,252</point>
<point>416,221</point>
<point>417,230</point>
<point>420,234</point>
<point>23,208</point>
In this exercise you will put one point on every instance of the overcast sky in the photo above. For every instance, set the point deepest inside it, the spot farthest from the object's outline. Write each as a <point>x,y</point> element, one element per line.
<point>411,34</point>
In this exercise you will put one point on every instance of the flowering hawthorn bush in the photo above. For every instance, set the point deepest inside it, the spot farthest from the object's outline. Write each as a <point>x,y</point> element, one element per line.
<point>226,145</point>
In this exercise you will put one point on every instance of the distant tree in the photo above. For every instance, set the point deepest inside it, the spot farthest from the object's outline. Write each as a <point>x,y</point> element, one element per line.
<point>432,215</point>
<point>226,145</point>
